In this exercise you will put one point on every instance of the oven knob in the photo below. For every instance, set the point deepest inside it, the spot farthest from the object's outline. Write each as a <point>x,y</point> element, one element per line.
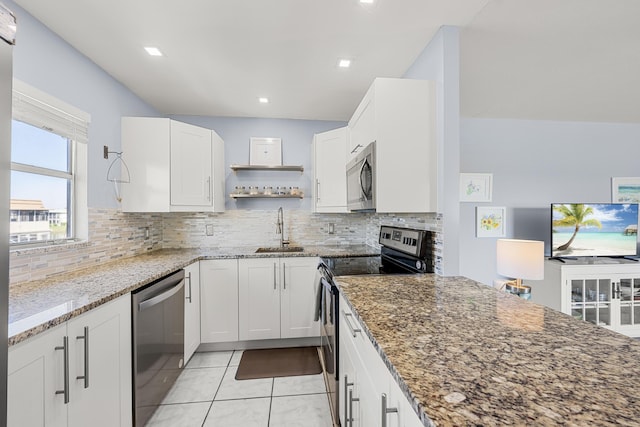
<point>419,265</point>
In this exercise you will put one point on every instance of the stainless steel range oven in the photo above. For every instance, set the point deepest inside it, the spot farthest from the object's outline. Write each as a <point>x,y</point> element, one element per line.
<point>403,251</point>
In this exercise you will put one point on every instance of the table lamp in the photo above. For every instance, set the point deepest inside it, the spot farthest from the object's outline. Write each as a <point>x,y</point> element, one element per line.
<point>520,259</point>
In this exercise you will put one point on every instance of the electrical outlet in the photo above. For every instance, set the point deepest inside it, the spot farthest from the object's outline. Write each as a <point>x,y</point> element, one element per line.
<point>209,229</point>
<point>331,228</point>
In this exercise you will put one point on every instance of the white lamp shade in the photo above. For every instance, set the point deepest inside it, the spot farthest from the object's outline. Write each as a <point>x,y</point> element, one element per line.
<point>520,259</point>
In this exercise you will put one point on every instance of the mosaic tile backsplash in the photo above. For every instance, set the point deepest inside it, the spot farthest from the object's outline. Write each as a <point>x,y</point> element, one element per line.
<point>113,235</point>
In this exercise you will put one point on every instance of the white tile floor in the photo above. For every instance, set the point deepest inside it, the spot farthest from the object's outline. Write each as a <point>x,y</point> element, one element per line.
<point>207,395</point>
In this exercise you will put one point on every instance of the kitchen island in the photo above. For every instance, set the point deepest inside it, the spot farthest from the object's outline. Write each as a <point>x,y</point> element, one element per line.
<point>465,354</point>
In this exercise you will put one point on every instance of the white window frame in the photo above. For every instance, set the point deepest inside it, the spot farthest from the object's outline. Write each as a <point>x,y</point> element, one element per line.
<point>40,109</point>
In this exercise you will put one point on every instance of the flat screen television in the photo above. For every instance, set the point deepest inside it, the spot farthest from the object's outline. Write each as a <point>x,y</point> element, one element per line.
<point>594,229</point>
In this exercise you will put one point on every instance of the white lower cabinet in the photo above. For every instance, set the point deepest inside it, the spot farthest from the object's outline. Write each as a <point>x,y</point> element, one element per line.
<point>36,372</point>
<point>277,297</point>
<point>191,310</point>
<point>371,396</point>
<point>218,300</point>
<point>76,374</point>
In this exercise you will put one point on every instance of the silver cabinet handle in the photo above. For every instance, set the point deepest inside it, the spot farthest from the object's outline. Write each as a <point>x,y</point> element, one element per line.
<point>356,148</point>
<point>85,338</point>
<point>65,352</point>
<point>347,384</point>
<point>351,400</point>
<point>274,276</point>
<point>209,188</point>
<point>386,410</point>
<point>188,297</point>
<point>284,275</point>
<point>317,190</point>
<point>346,319</point>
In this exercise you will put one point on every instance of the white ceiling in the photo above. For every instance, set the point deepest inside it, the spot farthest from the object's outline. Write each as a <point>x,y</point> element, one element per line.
<point>536,59</point>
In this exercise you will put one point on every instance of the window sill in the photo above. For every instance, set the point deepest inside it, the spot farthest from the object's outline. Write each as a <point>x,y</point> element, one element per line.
<point>38,248</point>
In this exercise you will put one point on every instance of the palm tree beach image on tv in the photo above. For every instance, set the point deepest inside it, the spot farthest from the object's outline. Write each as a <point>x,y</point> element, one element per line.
<point>594,229</point>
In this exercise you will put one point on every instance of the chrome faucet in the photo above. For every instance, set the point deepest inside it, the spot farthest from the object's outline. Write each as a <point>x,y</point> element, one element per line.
<point>280,228</point>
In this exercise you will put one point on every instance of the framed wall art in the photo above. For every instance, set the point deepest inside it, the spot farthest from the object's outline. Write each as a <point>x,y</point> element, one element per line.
<point>476,187</point>
<point>265,152</point>
<point>625,190</point>
<point>490,221</point>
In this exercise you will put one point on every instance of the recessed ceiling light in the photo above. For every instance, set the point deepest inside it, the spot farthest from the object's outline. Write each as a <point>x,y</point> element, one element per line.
<point>367,1</point>
<point>344,63</point>
<point>263,100</point>
<point>153,51</point>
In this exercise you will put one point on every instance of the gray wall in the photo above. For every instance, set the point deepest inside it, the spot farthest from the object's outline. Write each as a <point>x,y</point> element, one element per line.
<point>46,62</point>
<point>440,61</point>
<point>297,138</point>
<point>535,163</point>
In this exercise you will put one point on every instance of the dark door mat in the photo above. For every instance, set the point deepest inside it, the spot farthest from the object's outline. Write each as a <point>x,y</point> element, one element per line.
<point>278,362</point>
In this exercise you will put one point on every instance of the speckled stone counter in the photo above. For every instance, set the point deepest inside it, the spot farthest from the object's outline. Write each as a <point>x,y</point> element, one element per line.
<point>466,354</point>
<point>39,305</point>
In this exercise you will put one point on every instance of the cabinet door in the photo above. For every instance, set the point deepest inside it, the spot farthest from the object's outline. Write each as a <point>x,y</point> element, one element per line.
<point>145,143</point>
<point>298,297</point>
<point>369,408</point>
<point>218,173</point>
<point>259,298</point>
<point>592,298</point>
<point>36,373</point>
<point>191,160</point>
<point>627,305</point>
<point>218,300</point>
<point>330,159</point>
<point>348,393</point>
<point>100,342</point>
<point>191,310</point>
<point>362,129</point>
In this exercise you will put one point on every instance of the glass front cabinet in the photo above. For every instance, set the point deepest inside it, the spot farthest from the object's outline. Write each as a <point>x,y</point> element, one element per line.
<point>605,293</point>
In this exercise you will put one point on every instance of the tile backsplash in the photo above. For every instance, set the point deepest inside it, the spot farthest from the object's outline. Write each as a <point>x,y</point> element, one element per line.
<point>113,234</point>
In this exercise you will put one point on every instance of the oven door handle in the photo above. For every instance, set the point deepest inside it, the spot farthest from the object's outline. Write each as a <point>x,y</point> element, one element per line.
<point>146,304</point>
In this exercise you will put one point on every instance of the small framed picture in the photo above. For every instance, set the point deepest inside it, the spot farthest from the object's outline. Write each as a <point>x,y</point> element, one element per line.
<point>625,190</point>
<point>476,187</point>
<point>265,152</point>
<point>490,221</point>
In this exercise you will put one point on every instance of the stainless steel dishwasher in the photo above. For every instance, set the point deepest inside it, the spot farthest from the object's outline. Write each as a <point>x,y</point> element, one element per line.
<point>158,342</point>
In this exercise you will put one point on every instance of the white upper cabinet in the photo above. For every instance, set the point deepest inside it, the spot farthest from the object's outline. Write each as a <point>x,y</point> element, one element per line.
<point>174,166</point>
<point>191,165</point>
<point>329,161</point>
<point>400,115</point>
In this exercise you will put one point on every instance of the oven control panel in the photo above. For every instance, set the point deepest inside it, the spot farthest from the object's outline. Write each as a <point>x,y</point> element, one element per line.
<point>407,240</point>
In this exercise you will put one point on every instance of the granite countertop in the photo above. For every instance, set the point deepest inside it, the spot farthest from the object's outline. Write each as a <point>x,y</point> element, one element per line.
<point>466,354</point>
<point>42,304</point>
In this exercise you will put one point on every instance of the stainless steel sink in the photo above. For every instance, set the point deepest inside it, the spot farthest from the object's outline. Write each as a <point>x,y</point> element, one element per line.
<point>279,249</point>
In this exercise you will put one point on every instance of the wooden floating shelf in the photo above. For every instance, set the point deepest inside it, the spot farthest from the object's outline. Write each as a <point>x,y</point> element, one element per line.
<point>266,196</point>
<point>293,168</point>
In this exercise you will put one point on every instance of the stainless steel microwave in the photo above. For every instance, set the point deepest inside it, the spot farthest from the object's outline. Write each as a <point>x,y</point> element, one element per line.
<point>361,180</point>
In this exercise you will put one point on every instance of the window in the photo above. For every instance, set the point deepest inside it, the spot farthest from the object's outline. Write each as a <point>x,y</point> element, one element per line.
<point>48,155</point>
